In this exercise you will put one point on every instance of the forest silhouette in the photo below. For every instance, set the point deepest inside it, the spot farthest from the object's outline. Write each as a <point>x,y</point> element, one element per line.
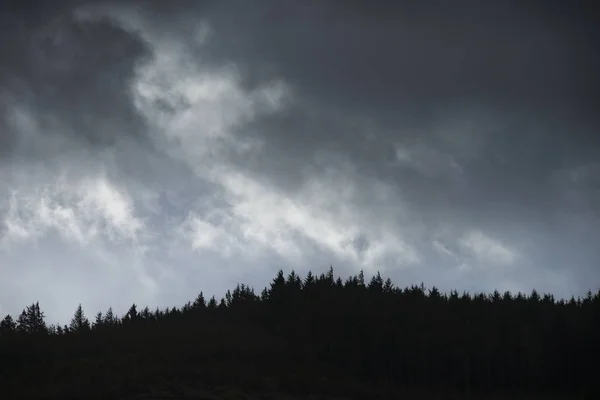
<point>316,336</point>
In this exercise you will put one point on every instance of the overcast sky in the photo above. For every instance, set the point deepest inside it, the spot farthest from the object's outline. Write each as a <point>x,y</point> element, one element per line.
<point>150,150</point>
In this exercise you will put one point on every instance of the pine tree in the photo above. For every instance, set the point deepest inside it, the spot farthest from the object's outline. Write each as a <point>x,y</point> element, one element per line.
<point>329,277</point>
<point>294,281</point>
<point>388,286</point>
<point>376,283</point>
<point>212,303</point>
<point>109,318</point>
<point>199,302</point>
<point>8,326</point>
<point>222,304</point>
<point>264,295</point>
<point>361,278</point>
<point>308,281</point>
<point>242,295</point>
<point>99,321</point>
<point>52,329</point>
<point>79,322</point>
<point>23,322</point>
<point>31,320</point>
<point>277,290</point>
<point>37,319</point>
<point>147,315</point>
<point>132,314</point>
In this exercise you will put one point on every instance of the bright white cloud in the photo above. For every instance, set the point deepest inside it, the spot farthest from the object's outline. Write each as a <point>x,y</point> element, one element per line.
<point>99,200</point>
<point>486,249</point>
<point>78,211</point>
<point>260,217</point>
<point>196,108</point>
<point>206,235</point>
<point>443,250</point>
<point>207,107</point>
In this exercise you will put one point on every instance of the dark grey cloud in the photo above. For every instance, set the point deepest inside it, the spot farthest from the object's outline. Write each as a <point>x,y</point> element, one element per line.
<point>72,74</point>
<point>506,92</point>
<point>523,73</point>
<point>398,60</point>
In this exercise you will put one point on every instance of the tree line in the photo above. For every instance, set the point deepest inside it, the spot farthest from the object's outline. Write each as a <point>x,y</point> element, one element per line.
<point>303,333</point>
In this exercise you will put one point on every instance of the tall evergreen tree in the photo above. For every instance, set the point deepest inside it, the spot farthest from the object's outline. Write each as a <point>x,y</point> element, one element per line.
<point>376,283</point>
<point>8,326</point>
<point>79,322</point>
<point>98,321</point>
<point>109,318</point>
<point>222,304</point>
<point>199,302</point>
<point>361,278</point>
<point>309,281</point>
<point>131,315</point>
<point>277,290</point>
<point>146,315</point>
<point>212,303</point>
<point>31,320</point>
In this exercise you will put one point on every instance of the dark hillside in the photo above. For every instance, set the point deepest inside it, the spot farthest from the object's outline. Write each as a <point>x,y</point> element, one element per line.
<point>312,337</point>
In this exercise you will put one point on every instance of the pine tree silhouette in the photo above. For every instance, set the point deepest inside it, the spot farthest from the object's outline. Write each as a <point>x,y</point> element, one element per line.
<point>199,302</point>
<point>212,303</point>
<point>8,326</point>
<point>98,321</point>
<point>109,318</point>
<point>131,315</point>
<point>31,320</point>
<point>307,333</point>
<point>79,322</point>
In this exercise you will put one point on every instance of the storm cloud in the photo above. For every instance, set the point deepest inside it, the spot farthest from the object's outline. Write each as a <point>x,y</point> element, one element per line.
<point>150,150</point>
